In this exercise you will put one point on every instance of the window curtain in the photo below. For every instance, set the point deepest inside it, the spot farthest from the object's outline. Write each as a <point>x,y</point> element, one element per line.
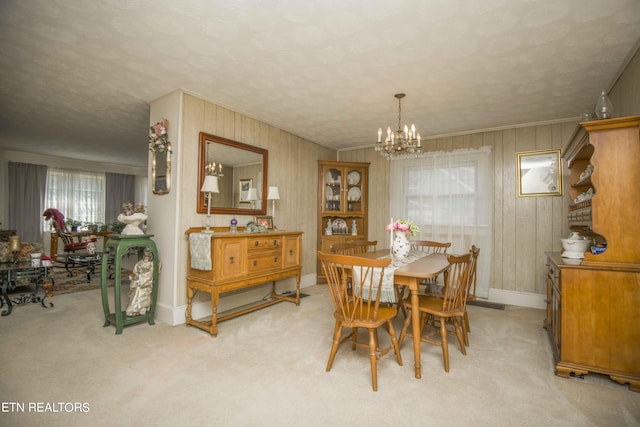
<point>27,184</point>
<point>449,195</point>
<point>120,188</point>
<point>79,195</point>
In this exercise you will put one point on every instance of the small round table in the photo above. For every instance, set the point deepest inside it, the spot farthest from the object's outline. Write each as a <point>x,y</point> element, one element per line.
<point>120,244</point>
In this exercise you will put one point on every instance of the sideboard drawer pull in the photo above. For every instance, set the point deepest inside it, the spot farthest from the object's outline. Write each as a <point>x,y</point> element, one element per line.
<point>275,242</point>
<point>255,262</point>
<point>291,252</point>
<point>231,260</point>
<point>275,259</point>
<point>257,243</point>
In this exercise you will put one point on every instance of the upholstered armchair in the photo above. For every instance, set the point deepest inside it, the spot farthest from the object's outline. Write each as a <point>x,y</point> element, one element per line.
<point>73,241</point>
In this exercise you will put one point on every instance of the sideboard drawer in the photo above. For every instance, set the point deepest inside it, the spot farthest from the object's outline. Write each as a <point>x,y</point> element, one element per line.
<point>265,261</point>
<point>262,243</point>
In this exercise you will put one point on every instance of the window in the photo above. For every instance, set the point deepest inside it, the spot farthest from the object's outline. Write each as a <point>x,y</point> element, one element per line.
<point>79,195</point>
<point>450,196</point>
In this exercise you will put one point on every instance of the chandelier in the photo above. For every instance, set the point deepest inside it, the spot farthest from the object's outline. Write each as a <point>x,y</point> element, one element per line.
<point>213,168</point>
<point>401,142</point>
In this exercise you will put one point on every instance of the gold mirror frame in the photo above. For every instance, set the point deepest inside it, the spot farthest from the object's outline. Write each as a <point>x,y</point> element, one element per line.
<point>201,200</point>
<point>539,173</point>
<point>161,184</point>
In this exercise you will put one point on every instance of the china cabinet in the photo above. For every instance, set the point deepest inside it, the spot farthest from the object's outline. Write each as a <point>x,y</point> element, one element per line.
<point>593,305</point>
<point>342,204</point>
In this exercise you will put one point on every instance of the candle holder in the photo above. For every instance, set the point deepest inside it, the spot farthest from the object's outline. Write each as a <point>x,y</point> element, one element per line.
<point>15,247</point>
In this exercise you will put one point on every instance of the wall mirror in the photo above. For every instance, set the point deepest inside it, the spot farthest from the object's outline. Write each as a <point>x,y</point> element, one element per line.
<point>539,173</point>
<point>237,166</point>
<point>161,171</point>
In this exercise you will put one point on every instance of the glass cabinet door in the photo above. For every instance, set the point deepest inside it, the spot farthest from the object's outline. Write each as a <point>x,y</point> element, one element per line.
<point>333,190</point>
<point>354,190</point>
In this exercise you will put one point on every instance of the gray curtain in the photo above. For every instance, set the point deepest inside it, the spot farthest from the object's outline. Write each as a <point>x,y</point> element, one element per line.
<point>119,188</point>
<point>27,184</point>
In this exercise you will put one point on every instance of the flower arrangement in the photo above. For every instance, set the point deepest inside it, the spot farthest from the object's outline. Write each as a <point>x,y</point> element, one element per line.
<point>129,208</point>
<point>404,225</point>
<point>158,138</point>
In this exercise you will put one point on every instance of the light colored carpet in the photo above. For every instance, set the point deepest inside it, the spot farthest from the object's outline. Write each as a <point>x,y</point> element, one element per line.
<point>268,369</point>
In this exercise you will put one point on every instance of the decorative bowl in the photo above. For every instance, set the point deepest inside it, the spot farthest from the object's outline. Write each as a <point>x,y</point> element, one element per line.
<point>574,248</point>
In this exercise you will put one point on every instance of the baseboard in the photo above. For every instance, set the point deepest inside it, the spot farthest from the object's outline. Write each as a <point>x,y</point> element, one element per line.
<point>522,299</point>
<point>201,309</point>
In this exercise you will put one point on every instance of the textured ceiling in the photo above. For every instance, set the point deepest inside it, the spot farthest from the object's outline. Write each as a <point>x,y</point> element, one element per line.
<point>77,76</point>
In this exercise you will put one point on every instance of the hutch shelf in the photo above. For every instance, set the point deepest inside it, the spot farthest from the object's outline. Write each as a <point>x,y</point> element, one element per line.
<point>593,305</point>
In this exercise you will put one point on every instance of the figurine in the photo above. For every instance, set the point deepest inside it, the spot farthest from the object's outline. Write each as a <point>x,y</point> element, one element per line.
<point>354,228</point>
<point>328,230</point>
<point>141,286</point>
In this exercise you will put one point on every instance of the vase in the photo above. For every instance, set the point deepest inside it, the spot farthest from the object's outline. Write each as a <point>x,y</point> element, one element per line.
<point>604,108</point>
<point>400,247</point>
<point>133,223</point>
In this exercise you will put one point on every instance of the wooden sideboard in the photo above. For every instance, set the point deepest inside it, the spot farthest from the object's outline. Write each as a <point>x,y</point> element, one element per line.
<point>592,318</point>
<point>243,260</point>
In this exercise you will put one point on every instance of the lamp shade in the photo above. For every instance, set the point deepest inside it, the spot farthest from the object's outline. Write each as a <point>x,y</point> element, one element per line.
<point>210,184</point>
<point>253,194</point>
<point>273,194</point>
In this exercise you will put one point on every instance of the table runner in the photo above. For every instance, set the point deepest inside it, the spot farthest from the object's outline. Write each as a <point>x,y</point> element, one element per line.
<point>388,292</point>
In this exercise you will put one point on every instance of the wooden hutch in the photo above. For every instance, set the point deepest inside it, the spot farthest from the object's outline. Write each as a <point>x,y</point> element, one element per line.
<point>342,202</point>
<point>593,305</point>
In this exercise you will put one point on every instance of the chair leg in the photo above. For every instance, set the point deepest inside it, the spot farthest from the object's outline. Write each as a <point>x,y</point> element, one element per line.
<point>394,342</point>
<point>459,334</point>
<point>373,356</point>
<point>445,344</point>
<point>337,333</point>
<point>465,328</point>
<point>354,339</point>
<point>466,321</point>
<point>405,328</point>
<point>399,298</point>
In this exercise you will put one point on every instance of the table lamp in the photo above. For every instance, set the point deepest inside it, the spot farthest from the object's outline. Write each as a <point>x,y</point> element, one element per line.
<point>209,186</point>
<point>273,195</point>
<point>252,196</point>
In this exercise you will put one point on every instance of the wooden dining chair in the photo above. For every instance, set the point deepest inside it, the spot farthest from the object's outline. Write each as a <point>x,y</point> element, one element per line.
<point>363,246</point>
<point>361,307</point>
<point>471,296</point>
<point>449,308</point>
<point>344,248</point>
<point>430,247</point>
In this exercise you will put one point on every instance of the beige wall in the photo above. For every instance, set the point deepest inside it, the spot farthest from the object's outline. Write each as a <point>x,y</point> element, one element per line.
<point>625,93</point>
<point>524,227</point>
<point>292,168</point>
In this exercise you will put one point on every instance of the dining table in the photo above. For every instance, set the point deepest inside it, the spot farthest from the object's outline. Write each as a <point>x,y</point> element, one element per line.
<point>411,274</point>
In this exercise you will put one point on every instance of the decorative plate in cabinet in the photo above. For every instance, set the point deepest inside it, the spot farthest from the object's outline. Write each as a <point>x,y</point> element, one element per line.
<point>353,178</point>
<point>354,194</point>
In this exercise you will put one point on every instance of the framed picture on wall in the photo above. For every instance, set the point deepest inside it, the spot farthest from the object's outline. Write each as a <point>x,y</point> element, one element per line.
<point>245,185</point>
<point>539,173</point>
